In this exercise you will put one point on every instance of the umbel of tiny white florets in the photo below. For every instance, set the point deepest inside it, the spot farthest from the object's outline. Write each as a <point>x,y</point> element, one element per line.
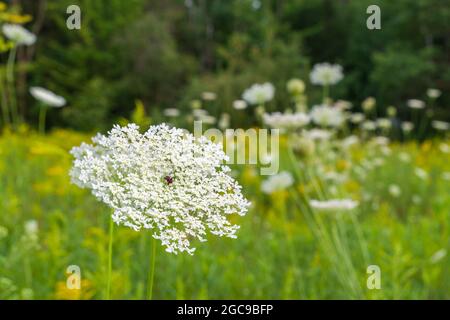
<point>165,180</point>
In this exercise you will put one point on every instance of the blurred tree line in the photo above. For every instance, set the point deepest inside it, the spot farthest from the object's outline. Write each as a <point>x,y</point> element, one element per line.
<point>166,53</point>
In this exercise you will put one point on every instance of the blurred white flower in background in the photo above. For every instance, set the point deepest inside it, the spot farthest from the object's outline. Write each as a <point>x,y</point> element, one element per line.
<point>295,86</point>
<point>199,113</point>
<point>334,204</point>
<point>445,148</point>
<point>286,120</point>
<point>391,111</point>
<point>349,141</point>
<point>326,74</point>
<point>327,116</point>
<point>47,97</point>
<point>440,125</point>
<point>318,134</point>
<point>357,117</point>
<point>415,104</point>
<point>259,93</point>
<point>433,93</point>
<point>209,96</point>
<point>31,226</point>
<point>384,123</point>
<point>407,126</point>
<point>343,105</point>
<point>18,34</point>
<point>165,180</point>
<point>369,125</point>
<point>394,190</point>
<point>422,174</point>
<point>239,104</point>
<point>438,256</point>
<point>171,112</point>
<point>224,121</point>
<point>369,104</point>
<point>277,182</point>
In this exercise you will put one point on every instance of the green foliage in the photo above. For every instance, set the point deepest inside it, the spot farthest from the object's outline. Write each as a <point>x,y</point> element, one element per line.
<point>168,53</point>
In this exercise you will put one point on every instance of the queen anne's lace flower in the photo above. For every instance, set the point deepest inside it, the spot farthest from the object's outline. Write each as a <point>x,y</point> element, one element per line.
<point>165,180</point>
<point>327,116</point>
<point>326,74</point>
<point>277,182</point>
<point>286,120</point>
<point>47,97</point>
<point>259,93</point>
<point>18,34</point>
<point>334,204</point>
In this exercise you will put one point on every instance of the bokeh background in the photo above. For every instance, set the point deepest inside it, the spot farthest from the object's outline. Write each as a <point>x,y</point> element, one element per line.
<point>132,60</point>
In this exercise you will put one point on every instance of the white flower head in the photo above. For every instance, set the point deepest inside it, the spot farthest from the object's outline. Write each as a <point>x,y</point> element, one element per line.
<point>369,104</point>
<point>277,182</point>
<point>165,180</point>
<point>334,204</point>
<point>295,86</point>
<point>440,125</point>
<point>259,93</point>
<point>239,104</point>
<point>415,104</point>
<point>326,74</point>
<point>209,96</point>
<point>407,126</point>
<point>369,125</point>
<point>433,93</point>
<point>318,134</point>
<point>18,34</point>
<point>394,190</point>
<point>286,120</point>
<point>357,117</point>
<point>384,123</point>
<point>47,97</point>
<point>171,112</point>
<point>327,116</point>
<point>31,227</point>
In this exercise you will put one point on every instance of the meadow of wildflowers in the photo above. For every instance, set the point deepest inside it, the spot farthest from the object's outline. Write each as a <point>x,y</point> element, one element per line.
<point>148,210</point>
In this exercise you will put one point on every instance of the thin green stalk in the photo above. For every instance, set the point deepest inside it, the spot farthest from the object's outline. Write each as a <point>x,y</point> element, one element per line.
<point>42,117</point>
<point>4,103</point>
<point>110,249</point>
<point>151,274</point>
<point>11,85</point>
<point>325,93</point>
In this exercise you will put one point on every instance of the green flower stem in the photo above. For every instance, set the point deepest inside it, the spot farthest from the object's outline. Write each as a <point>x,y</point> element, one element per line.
<point>11,85</point>
<point>42,117</point>
<point>151,274</point>
<point>4,103</point>
<point>110,247</point>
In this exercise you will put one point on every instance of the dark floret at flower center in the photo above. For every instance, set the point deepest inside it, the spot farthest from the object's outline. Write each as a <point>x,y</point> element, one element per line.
<point>168,179</point>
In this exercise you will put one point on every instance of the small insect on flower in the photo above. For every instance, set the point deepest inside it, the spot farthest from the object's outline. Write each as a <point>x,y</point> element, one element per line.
<point>168,179</point>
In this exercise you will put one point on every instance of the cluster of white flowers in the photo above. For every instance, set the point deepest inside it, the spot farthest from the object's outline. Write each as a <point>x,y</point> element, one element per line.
<point>286,120</point>
<point>326,74</point>
<point>259,93</point>
<point>47,97</point>
<point>277,182</point>
<point>327,116</point>
<point>165,180</point>
<point>334,204</point>
<point>18,34</point>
